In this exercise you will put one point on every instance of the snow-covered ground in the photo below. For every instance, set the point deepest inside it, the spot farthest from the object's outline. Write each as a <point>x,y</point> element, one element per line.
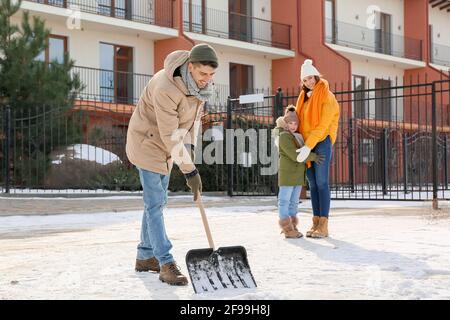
<point>368,256</point>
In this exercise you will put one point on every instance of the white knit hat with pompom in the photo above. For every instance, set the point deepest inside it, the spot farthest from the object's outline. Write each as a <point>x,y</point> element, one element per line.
<point>308,69</point>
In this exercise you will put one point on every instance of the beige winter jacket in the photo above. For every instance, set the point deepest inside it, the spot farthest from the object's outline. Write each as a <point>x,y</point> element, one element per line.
<point>165,119</point>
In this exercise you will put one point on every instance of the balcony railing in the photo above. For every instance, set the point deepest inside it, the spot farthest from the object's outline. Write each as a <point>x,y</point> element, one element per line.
<point>440,55</point>
<point>156,12</point>
<point>373,40</point>
<point>230,25</point>
<point>126,88</point>
<point>111,86</point>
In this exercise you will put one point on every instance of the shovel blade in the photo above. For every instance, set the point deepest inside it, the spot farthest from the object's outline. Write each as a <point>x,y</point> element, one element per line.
<point>225,268</point>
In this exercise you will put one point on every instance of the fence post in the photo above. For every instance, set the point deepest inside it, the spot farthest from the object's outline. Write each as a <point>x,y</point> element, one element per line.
<point>405,162</point>
<point>385,161</point>
<point>278,108</point>
<point>445,163</point>
<point>8,147</point>
<point>229,144</point>
<point>278,111</point>
<point>351,155</point>
<point>434,146</point>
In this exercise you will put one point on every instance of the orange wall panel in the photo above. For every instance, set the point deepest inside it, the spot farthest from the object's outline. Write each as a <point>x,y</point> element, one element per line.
<point>307,39</point>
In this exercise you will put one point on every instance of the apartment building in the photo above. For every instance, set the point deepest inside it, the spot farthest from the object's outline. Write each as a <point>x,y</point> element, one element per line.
<point>245,36</point>
<point>368,46</point>
<point>112,42</point>
<point>439,24</point>
<point>119,44</point>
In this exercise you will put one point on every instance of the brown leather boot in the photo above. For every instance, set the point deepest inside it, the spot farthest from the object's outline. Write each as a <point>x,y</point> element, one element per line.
<point>288,229</point>
<point>171,274</point>
<point>295,222</point>
<point>150,264</point>
<point>322,229</point>
<point>315,220</point>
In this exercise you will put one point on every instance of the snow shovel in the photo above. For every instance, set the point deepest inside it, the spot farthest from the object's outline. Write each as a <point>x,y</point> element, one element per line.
<point>224,268</point>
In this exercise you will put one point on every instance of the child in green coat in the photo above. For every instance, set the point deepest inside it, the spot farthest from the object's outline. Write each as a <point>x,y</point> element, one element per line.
<point>291,174</point>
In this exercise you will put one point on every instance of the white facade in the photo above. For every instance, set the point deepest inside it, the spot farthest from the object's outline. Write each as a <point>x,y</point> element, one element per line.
<point>355,19</point>
<point>262,68</point>
<point>84,46</point>
<point>86,32</point>
<point>374,71</point>
<point>371,72</point>
<point>440,37</point>
<point>262,76</point>
<point>361,32</point>
<point>218,23</point>
<point>440,20</point>
<point>361,13</point>
<point>258,53</point>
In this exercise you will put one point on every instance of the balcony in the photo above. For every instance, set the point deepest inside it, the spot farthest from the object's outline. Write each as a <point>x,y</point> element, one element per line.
<point>114,87</point>
<point>374,43</point>
<point>143,11</point>
<point>440,55</point>
<point>224,25</point>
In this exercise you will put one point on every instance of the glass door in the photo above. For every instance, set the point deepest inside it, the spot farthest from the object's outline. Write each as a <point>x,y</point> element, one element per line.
<point>116,74</point>
<point>106,72</point>
<point>240,20</point>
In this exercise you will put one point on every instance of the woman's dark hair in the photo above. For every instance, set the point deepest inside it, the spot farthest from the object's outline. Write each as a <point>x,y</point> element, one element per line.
<point>212,64</point>
<point>304,88</point>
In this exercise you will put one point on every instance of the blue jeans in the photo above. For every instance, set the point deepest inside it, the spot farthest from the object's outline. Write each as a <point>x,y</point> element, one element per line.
<point>288,199</point>
<point>319,181</point>
<point>154,240</point>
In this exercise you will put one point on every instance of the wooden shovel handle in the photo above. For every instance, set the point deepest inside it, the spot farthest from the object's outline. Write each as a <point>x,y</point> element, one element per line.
<point>205,222</point>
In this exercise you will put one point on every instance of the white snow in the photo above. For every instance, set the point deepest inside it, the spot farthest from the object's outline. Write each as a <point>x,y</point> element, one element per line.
<point>88,152</point>
<point>368,256</point>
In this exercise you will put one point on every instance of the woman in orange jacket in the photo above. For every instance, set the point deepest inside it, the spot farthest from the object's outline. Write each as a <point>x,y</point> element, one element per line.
<point>318,113</point>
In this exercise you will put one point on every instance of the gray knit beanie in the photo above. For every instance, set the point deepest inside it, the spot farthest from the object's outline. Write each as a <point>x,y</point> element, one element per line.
<point>203,52</point>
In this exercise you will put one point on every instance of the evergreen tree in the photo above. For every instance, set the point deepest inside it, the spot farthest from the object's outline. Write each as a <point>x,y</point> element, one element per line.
<point>24,80</point>
<point>39,94</point>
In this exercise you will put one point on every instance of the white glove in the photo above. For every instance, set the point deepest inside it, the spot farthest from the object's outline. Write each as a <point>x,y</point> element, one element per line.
<point>303,153</point>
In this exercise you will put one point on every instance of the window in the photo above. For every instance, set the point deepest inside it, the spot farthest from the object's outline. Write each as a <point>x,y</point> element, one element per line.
<point>330,21</point>
<point>383,108</point>
<point>115,8</point>
<point>241,82</point>
<point>366,151</point>
<point>239,20</point>
<point>194,15</point>
<point>116,75</point>
<point>57,47</point>
<point>241,79</point>
<point>360,107</point>
<point>383,35</point>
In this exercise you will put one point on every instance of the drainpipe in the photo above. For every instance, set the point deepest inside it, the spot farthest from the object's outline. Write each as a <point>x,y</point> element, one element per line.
<point>180,22</point>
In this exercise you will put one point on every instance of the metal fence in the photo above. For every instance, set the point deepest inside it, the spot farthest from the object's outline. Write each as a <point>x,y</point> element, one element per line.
<point>156,12</point>
<point>48,149</point>
<point>110,86</point>
<point>440,54</point>
<point>374,40</point>
<point>393,144</point>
